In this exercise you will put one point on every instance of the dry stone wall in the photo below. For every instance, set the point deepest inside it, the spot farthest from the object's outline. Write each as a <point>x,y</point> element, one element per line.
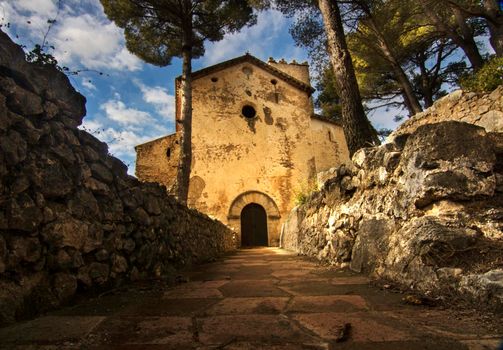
<point>484,110</point>
<point>71,218</point>
<point>424,211</point>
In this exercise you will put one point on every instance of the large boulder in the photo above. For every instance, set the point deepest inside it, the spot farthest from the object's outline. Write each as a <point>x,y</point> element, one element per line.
<point>447,160</point>
<point>371,245</point>
<point>424,245</point>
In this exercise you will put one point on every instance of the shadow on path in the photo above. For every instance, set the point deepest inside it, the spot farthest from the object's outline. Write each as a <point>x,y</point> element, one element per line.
<point>258,298</point>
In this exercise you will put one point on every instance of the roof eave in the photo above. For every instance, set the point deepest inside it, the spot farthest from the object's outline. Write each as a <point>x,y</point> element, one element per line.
<point>325,119</point>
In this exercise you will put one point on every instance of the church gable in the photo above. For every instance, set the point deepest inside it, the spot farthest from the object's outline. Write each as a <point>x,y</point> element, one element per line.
<point>280,75</point>
<point>247,58</point>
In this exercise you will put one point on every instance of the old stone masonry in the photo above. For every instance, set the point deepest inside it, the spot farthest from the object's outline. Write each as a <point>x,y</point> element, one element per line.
<point>401,248</point>
<point>424,210</point>
<point>71,219</point>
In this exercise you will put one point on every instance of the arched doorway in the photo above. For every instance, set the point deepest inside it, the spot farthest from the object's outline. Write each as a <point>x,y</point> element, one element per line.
<point>253,225</point>
<point>268,205</point>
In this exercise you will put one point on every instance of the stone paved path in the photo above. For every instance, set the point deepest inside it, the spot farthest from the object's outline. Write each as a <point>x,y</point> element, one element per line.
<point>262,298</point>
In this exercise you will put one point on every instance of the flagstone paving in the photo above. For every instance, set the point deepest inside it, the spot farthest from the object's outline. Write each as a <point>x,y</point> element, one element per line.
<point>261,298</point>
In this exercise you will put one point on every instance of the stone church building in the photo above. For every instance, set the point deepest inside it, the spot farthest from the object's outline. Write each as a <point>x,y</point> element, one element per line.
<point>256,142</point>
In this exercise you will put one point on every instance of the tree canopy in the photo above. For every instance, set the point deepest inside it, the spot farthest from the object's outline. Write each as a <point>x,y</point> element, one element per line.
<point>157,30</point>
<point>402,54</point>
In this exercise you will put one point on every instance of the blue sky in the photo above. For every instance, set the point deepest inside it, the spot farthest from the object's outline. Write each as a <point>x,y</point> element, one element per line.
<point>133,102</point>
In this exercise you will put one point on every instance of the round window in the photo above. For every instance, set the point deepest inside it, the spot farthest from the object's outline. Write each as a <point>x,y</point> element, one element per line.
<point>248,111</point>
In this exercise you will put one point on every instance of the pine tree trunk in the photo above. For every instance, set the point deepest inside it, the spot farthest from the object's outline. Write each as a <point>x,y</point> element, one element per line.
<point>403,80</point>
<point>472,53</point>
<point>496,38</point>
<point>465,41</point>
<point>495,26</point>
<point>426,80</point>
<point>407,103</point>
<point>410,99</point>
<point>427,93</point>
<point>408,92</point>
<point>468,44</point>
<point>357,128</point>
<point>184,163</point>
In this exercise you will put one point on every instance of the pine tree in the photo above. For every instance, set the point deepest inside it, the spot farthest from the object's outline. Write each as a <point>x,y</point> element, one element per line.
<point>158,30</point>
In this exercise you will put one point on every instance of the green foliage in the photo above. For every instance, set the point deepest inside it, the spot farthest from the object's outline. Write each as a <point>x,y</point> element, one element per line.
<point>307,30</point>
<point>158,30</point>
<point>401,27</point>
<point>45,59</point>
<point>328,99</point>
<point>305,191</point>
<point>419,50</point>
<point>383,133</point>
<point>486,79</point>
<point>42,58</point>
<point>39,56</point>
<point>41,53</point>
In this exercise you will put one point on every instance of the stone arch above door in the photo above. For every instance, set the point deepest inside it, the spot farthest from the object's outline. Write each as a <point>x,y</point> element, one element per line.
<point>253,197</point>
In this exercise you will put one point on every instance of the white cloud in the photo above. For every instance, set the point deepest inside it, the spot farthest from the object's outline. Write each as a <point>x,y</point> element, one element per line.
<point>82,35</point>
<point>383,118</point>
<point>122,140</point>
<point>88,84</point>
<point>42,7</point>
<point>125,59</point>
<point>35,23</point>
<point>122,143</point>
<point>91,125</point>
<point>158,96</point>
<point>117,111</point>
<point>254,39</point>
<point>94,43</point>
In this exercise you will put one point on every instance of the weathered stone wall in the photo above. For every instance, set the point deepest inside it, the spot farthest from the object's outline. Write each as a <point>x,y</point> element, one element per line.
<point>299,71</point>
<point>71,218</point>
<point>328,144</point>
<point>484,110</point>
<point>157,160</point>
<point>425,211</point>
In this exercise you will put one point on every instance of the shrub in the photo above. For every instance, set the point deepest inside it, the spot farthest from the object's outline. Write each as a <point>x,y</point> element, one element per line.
<point>486,79</point>
<point>305,191</point>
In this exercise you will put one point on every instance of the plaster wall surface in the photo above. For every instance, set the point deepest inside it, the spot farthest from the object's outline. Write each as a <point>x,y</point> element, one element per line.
<point>233,154</point>
<point>157,160</point>
<point>299,71</point>
<point>328,144</point>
